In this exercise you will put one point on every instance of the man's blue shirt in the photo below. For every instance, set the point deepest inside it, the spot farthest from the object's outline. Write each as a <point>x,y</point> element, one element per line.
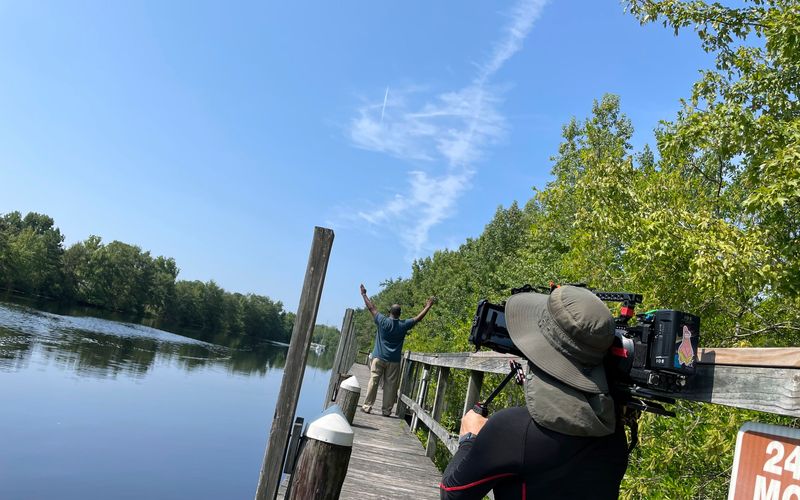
<point>390,336</point>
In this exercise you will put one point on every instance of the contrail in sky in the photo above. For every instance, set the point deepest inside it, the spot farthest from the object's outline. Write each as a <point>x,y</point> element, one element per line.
<point>442,135</point>
<point>385,97</point>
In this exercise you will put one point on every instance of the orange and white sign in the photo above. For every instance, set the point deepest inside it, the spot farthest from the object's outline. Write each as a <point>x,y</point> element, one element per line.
<point>766,465</point>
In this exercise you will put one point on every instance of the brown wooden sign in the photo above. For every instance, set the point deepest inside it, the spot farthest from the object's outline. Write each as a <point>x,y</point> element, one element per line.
<point>766,465</point>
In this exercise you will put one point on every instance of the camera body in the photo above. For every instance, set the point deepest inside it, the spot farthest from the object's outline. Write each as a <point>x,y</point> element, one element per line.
<point>659,353</point>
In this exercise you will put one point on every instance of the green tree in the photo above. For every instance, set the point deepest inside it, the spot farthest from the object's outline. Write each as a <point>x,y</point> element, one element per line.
<point>31,254</point>
<point>738,139</point>
<point>162,290</point>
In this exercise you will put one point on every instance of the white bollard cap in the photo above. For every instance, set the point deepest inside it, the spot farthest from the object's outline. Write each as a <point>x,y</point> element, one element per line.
<point>331,427</point>
<point>351,384</point>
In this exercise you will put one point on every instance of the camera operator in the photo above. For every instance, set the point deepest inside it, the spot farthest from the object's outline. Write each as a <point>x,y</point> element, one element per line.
<point>566,442</point>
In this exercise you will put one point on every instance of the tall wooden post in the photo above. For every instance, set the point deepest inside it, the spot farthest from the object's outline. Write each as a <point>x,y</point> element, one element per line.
<point>438,407</point>
<point>352,349</point>
<point>348,342</point>
<point>337,360</point>
<point>289,393</point>
<point>473,390</point>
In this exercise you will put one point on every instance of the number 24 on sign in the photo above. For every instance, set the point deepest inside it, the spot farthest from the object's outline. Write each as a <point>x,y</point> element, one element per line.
<point>772,487</point>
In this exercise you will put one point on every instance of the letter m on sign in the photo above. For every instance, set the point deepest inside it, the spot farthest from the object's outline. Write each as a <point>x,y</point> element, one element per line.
<point>765,492</point>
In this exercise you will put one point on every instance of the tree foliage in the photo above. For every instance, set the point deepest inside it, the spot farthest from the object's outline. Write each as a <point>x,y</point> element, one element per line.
<point>327,336</point>
<point>121,277</point>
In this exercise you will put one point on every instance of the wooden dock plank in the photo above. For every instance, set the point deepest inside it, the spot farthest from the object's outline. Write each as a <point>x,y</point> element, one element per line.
<point>388,462</point>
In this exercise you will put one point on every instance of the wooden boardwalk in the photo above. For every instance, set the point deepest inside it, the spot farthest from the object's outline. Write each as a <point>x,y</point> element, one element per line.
<point>387,461</point>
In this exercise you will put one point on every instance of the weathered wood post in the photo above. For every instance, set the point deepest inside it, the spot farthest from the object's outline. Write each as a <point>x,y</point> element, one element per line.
<point>337,360</point>
<point>286,405</point>
<point>405,381</point>
<point>352,349</point>
<point>347,398</point>
<point>473,390</point>
<point>438,407</point>
<point>322,464</point>
<point>423,394</point>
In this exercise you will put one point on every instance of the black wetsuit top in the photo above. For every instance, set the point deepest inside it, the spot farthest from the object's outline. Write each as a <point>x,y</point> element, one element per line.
<point>519,459</point>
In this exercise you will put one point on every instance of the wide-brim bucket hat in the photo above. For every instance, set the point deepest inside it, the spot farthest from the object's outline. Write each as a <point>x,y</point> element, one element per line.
<point>566,334</point>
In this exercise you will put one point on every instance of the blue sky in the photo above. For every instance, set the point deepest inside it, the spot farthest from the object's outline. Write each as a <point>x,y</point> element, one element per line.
<point>220,133</point>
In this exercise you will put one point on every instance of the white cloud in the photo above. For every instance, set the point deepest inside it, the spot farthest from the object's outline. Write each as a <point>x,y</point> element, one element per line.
<point>452,130</point>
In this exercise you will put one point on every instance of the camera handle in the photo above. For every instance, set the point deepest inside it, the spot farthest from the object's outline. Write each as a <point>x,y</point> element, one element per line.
<point>516,372</point>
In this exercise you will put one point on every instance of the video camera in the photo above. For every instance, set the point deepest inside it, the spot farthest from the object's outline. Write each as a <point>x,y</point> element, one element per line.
<point>652,359</point>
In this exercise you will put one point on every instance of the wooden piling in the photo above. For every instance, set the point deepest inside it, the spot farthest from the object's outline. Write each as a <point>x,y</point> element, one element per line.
<point>322,464</point>
<point>286,405</point>
<point>347,398</point>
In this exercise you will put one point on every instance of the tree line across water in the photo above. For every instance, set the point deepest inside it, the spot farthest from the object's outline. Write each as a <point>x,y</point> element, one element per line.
<point>707,221</point>
<point>121,277</point>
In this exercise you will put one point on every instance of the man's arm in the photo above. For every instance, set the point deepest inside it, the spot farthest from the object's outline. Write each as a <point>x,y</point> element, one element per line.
<point>368,302</point>
<point>424,310</point>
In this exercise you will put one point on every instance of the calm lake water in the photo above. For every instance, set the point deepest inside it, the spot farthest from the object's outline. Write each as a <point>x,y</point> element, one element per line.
<point>92,408</point>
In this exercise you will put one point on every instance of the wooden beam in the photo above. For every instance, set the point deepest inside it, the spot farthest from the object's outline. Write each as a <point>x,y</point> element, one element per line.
<point>764,379</point>
<point>434,426</point>
<point>776,357</point>
<point>286,404</point>
<point>483,361</point>
<point>772,390</point>
<point>493,362</point>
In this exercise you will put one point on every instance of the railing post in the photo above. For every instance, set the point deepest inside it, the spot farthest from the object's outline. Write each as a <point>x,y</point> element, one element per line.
<point>405,380</point>
<point>296,357</point>
<point>337,360</point>
<point>423,393</point>
<point>438,407</point>
<point>473,390</point>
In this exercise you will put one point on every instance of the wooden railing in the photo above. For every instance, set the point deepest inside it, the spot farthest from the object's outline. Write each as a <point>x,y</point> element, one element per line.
<point>763,379</point>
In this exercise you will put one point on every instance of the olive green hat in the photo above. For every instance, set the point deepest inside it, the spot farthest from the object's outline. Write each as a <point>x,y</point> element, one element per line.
<point>565,334</point>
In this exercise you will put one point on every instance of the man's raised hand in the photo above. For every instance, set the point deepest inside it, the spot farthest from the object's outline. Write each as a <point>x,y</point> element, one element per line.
<point>430,301</point>
<point>363,290</point>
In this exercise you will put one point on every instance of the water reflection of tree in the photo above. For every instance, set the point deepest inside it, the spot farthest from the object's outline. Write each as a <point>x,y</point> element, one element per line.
<point>102,355</point>
<point>14,349</point>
